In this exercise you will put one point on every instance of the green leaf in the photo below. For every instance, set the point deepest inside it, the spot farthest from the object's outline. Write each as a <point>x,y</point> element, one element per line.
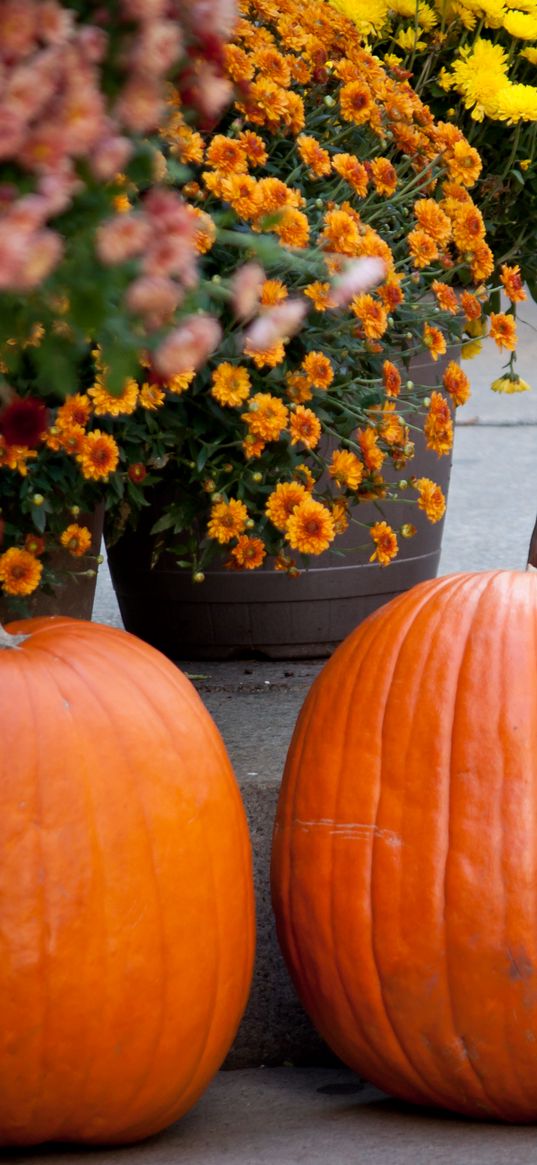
<point>163,523</point>
<point>39,518</point>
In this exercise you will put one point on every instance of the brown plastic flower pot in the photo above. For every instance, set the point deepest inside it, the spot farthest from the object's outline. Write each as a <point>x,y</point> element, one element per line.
<point>264,612</point>
<point>75,594</point>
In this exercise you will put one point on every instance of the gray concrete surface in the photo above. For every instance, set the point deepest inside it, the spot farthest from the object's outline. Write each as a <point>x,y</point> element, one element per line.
<point>284,1116</point>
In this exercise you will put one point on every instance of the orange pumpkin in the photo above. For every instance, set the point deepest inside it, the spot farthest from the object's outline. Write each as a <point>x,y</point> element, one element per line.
<point>126,902</point>
<point>405,848</point>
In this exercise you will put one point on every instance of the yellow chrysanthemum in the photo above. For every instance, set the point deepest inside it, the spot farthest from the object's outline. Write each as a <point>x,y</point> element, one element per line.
<point>267,417</point>
<point>179,384</point>
<point>522,25</point>
<point>510,384</point>
<point>230,385</point>
<point>514,103</point>
<point>346,469</point>
<point>368,15</point>
<point>151,397</point>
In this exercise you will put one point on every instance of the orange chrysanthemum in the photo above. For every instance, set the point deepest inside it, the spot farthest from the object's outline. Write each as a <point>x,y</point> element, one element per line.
<point>386,544</point>
<point>76,539</point>
<point>464,163</point>
<point>320,296</point>
<point>346,469</point>
<point>76,410</point>
<point>341,233</point>
<point>391,378</point>
<point>99,456</point>
<point>438,427</point>
<point>422,247</point>
<point>298,387</point>
<point>230,385</point>
<point>267,357</point>
<point>108,404</point>
<point>238,65</point>
<point>34,544</point>
<point>273,64</point>
<point>503,331</point>
<point>391,293</point>
<point>349,168</point>
<point>267,417</point>
<point>293,228</point>
<point>318,369</point>
<point>356,102</point>
<point>314,156</point>
<point>372,455</point>
<point>304,427</point>
<point>179,384</point>
<point>273,291</point>
<point>227,520</point>
<point>384,176</point>
<point>20,572</point>
<point>431,499</point>
<point>456,382</point>
<point>283,500</point>
<point>372,316</point>
<point>432,219</point>
<point>310,528</point>
<point>445,296</point>
<point>227,155</point>
<point>242,193</point>
<point>512,282</point>
<point>482,264</point>
<point>254,148</point>
<point>151,397</point>
<point>249,552</point>
<point>434,340</point>
<point>471,306</point>
<point>468,227</point>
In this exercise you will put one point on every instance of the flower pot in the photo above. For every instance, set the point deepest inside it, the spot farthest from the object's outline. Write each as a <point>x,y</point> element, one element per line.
<point>264,612</point>
<point>74,594</point>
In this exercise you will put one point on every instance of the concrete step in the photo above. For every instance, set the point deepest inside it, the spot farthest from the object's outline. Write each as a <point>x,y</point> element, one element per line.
<point>308,1116</point>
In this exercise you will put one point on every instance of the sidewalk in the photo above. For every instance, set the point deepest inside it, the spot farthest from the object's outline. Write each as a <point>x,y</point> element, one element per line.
<point>323,1114</point>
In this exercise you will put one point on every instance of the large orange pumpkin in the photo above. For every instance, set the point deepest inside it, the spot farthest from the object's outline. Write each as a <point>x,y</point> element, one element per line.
<point>126,903</point>
<point>405,847</point>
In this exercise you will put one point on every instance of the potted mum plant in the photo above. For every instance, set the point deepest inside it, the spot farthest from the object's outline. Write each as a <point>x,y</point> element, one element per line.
<point>326,448</point>
<point>474,65</point>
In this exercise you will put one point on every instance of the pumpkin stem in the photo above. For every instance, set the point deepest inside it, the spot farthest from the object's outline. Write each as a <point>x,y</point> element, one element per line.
<point>8,640</point>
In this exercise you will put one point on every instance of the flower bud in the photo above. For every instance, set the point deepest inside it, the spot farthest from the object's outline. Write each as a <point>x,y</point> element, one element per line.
<point>37,500</point>
<point>198,576</point>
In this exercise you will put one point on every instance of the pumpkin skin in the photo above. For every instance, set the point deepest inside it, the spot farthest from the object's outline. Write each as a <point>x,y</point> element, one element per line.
<point>404,867</point>
<point>126,900</point>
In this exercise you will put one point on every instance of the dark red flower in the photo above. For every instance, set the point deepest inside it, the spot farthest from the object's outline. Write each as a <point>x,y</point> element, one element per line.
<point>23,421</point>
<point>137,472</point>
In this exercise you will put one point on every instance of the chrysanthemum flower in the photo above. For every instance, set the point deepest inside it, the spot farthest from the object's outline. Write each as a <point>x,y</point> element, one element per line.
<point>227,155</point>
<point>456,382</point>
<point>34,544</point>
<point>314,156</point>
<point>23,422</point>
<point>230,385</point>
<point>283,500</point>
<point>431,499</point>
<point>151,397</point>
<point>20,572</point>
<point>503,331</point>
<point>99,456</point>
<point>353,171</point>
<point>179,384</point>
<point>371,314</point>
<point>109,404</point>
<point>512,282</point>
<point>510,384</point>
<point>346,469</point>
<point>356,102</point>
<point>273,291</point>
<point>433,220</point>
<point>391,378</point>
<point>304,427</point>
<point>434,340</point>
<point>310,528</point>
<point>76,539</point>
<point>318,369</point>
<point>341,233</point>
<point>471,306</point>
<point>267,418</point>
<point>445,296</point>
<point>76,410</point>
<point>384,176</point>
<point>438,427</point>
<point>15,457</point>
<point>249,552</point>
<point>227,520</point>
<point>254,148</point>
<point>372,455</point>
<point>293,228</point>
<point>422,247</point>
<point>386,544</point>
